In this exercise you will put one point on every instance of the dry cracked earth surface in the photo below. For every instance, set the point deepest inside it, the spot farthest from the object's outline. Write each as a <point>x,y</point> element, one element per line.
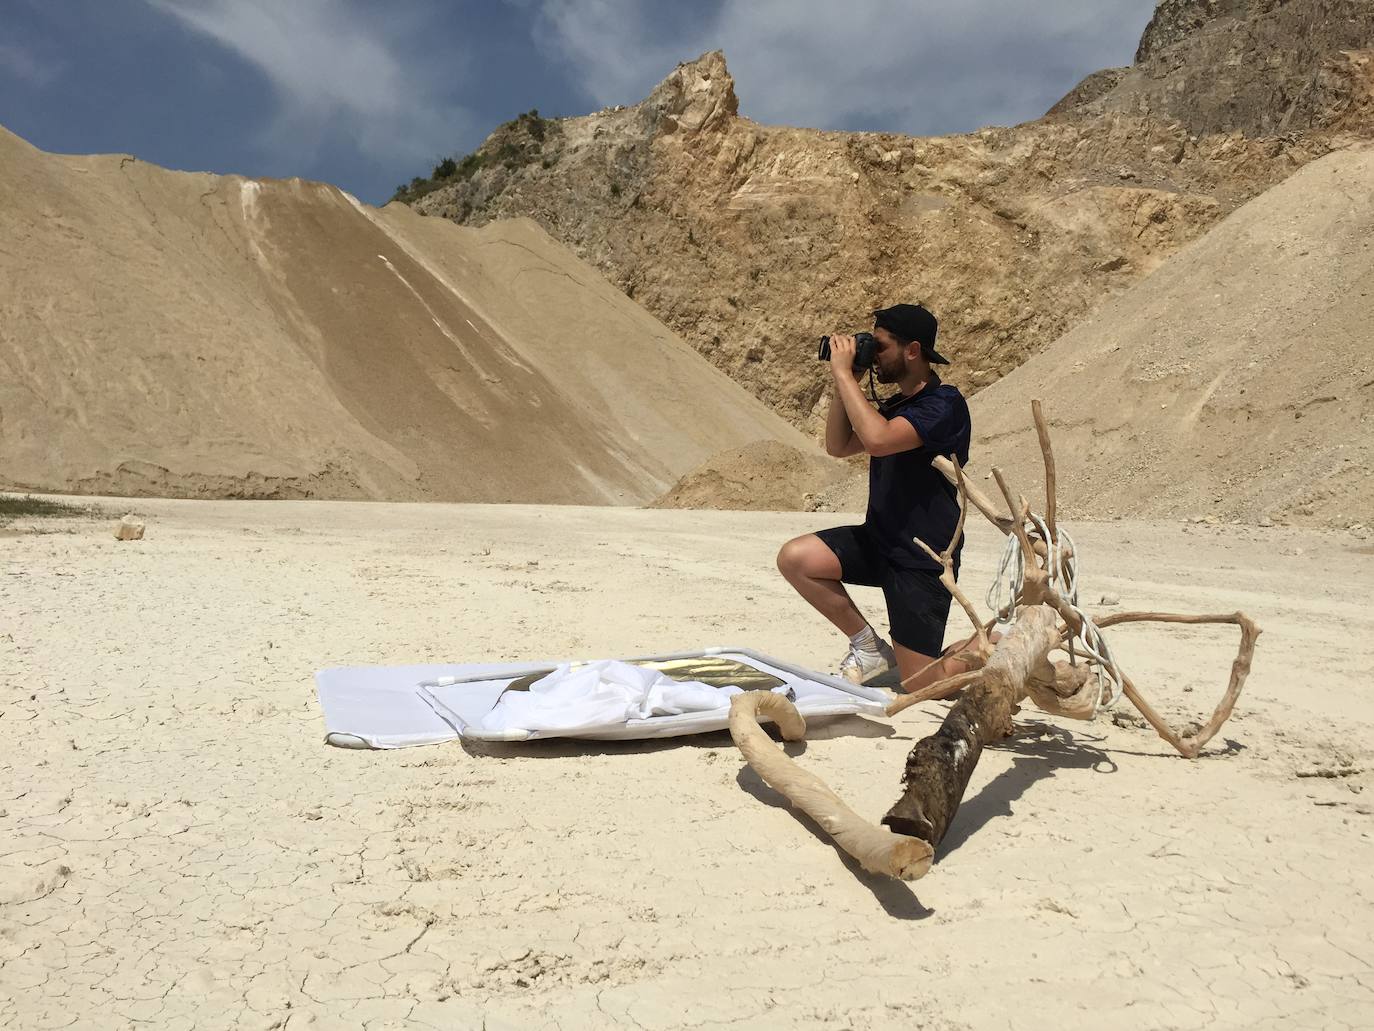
<point>178,848</point>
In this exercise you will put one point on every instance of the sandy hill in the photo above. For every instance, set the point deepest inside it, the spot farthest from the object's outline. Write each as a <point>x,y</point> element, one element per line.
<point>210,336</point>
<point>1236,381</point>
<point>751,240</point>
<point>766,476</point>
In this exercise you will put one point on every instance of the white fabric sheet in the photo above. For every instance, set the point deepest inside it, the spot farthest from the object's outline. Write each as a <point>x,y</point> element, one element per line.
<point>606,691</point>
<point>400,706</point>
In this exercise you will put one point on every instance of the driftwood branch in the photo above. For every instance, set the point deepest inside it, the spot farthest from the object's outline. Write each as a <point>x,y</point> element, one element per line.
<point>1072,692</point>
<point>946,688</point>
<point>1042,431</point>
<point>980,500</point>
<point>939,767</point>
<point>877,850</point>
<point>977,655</point>
<point>1190,745</point>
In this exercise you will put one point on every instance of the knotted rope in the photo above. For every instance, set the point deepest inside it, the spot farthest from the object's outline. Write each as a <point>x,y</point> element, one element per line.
<point>1061,565</point>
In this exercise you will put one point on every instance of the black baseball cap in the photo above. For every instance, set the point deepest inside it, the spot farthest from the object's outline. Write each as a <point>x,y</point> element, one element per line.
<point>912,322</point>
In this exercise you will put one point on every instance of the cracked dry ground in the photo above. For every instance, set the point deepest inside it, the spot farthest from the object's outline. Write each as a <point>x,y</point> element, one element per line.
<point>179,849</point>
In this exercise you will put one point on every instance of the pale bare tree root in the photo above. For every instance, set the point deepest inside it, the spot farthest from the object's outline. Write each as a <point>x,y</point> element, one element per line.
<point>878,850</point>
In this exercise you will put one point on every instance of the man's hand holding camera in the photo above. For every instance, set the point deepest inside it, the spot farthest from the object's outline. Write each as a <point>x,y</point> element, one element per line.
<point>842,352</point>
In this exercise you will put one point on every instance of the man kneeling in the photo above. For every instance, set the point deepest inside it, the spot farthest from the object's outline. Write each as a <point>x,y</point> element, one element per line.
<point>907,498</point>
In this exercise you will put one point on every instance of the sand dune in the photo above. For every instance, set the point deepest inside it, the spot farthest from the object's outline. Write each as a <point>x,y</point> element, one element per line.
<point>1235,381</point>
<point>196,335</point>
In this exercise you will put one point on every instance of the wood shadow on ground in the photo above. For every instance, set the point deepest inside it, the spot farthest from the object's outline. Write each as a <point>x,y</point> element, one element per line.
<point>896,898</point>
<point>1039,751</point>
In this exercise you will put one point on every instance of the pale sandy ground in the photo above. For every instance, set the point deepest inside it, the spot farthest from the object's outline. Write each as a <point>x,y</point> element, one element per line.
<point>178,847</point>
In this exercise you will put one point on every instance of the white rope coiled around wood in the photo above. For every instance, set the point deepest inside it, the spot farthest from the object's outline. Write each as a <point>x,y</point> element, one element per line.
<point>1063,577</point>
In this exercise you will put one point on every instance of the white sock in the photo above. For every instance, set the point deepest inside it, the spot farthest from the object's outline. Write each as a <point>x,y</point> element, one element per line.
<point>865,640</point>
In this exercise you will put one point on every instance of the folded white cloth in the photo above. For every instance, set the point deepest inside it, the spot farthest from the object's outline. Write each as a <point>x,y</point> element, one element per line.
<point>600,694</point>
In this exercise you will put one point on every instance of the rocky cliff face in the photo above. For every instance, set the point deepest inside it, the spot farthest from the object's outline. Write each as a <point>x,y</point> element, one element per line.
<point>1259,67</point>
<point>751,240</point>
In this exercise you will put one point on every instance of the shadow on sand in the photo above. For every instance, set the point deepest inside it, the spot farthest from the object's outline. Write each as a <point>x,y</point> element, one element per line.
<point>896,897</point>
<point>822,729</point>
<point>1039,750</point>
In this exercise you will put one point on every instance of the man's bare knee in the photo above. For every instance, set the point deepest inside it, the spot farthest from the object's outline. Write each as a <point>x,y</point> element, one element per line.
<point>794,558</point>
<point>787,557</point>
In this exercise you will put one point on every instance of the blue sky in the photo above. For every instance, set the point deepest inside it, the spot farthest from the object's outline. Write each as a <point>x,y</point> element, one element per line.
<point>368,94</point>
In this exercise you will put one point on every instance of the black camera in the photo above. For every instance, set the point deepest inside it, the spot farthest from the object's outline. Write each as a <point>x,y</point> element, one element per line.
<point>865,351</point>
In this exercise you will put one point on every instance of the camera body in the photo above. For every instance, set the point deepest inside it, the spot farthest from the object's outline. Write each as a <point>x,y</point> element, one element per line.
<point>865,351</point>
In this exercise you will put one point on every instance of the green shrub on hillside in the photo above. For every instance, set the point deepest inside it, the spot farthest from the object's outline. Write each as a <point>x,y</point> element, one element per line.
<point>514,144</point>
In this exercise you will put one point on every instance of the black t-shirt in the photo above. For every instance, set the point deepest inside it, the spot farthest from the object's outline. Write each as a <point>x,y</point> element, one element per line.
<point>907,496</point>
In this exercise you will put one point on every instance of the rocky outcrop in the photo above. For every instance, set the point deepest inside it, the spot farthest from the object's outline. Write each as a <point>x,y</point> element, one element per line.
<point>1177,20</point>
<point>750,240</point>
<point>696,97</point>
<point>1259,67</point>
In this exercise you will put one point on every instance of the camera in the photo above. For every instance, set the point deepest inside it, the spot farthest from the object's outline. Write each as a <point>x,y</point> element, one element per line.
<point>865,351</point>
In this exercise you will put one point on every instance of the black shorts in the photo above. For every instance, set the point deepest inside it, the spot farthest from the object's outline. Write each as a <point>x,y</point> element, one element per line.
<point>917,602</point>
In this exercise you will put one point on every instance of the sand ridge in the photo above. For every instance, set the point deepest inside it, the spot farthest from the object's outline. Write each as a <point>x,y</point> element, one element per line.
<point>187,334</point>
<point>1234,382</point>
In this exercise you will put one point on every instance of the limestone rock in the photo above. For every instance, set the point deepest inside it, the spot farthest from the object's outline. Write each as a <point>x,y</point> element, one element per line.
<point>129,529</point>
<point>1260,67</point>
<point>698,96</point>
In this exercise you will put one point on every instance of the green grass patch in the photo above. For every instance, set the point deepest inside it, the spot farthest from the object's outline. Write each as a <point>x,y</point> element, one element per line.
<point>18,506</point>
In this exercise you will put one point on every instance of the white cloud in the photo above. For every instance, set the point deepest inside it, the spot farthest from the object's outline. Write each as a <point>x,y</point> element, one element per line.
<point>897,64</point>
<point>338,70</point>
<point>615,52</point>
<point>24,66</point>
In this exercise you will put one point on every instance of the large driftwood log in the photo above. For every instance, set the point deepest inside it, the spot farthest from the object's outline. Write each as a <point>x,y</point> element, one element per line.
<point>939,767</point>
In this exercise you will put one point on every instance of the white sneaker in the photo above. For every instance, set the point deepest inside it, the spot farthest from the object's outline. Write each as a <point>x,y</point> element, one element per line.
<point>861,666</point>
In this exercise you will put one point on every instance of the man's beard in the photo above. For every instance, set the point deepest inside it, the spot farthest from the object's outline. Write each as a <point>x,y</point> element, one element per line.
<point>883,376</point>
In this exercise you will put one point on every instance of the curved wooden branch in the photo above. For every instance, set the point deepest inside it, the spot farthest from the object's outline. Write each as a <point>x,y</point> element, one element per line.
<point>980,500</point>
<point>984,504</point>
<point>1190,745</point>
<point>1073,693</point>
<point>940,689</point>
<point>946,561</point>
<point>878,850</point>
